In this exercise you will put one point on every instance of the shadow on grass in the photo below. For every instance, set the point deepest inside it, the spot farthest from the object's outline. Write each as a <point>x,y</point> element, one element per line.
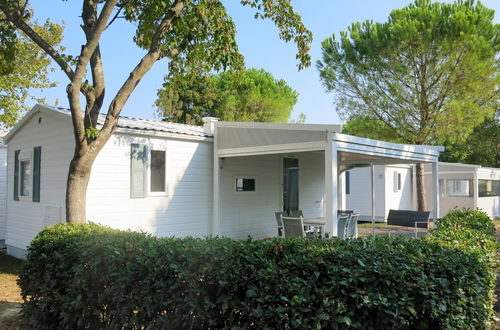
<point>9,264</point>
<point>10,316</point>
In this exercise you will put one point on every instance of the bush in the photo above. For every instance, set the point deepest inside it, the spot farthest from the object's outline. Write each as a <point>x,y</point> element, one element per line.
<point>469,218</point>
<point>472,232</point>
<point>86,276</point>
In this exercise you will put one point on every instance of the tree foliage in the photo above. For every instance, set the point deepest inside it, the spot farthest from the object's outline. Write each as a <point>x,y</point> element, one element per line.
<point>370,127</point>
<point>430,73</point>
<point>250,95</point>
<point>482,147</point>
<point>23,66</point>
<point>192,34</point>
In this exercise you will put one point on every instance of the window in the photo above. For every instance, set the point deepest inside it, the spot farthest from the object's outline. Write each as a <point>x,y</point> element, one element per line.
<point>347,182</point>
<point>488,188</point>
<point>157,171</point>
<point>24,177</point>
<point>458,188</point>
<point>27,166</point>
<point>290,184</point>
<point>245,184</point>
<point>397,181</point>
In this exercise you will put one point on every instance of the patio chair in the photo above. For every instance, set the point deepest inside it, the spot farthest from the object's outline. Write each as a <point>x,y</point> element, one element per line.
<point>278,216</point>
<point>352,226</point>
<point>342,226</point>
<point>293,227</point>
<point>297,213</point>
<point>344,212</point>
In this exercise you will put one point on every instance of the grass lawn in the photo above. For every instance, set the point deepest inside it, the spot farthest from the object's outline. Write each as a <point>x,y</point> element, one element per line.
<point>497,225</point>
<point>369,224</point>
<point>10,294</point>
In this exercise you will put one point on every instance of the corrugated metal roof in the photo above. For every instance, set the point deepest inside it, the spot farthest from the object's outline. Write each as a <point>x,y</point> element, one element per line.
<point>148,124</point>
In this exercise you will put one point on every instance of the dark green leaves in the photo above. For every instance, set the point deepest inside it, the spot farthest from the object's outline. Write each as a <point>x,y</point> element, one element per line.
<point>249,95</point>
<point>23,66</point>
<point>86,276</point>
<point>202,34</point>
<point>430,73</point>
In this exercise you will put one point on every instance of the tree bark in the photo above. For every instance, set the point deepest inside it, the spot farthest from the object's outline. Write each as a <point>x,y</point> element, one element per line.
<point>421,196</point>
<point>76,188</point>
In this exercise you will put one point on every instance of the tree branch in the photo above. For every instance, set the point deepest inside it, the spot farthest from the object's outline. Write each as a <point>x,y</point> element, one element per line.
<point>94,103</point>
<point>136,75</point>
<point>95,30</point>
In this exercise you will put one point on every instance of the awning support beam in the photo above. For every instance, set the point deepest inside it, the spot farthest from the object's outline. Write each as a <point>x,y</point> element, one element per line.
<point>331,184</point>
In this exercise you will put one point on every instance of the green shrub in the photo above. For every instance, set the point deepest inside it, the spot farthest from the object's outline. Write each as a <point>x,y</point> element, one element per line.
<point>473,233</point>
<point>85,276</point>
<point>469,218</point>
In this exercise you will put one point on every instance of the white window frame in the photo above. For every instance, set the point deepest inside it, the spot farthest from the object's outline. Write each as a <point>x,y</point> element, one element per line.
<point>453,188</point>
<point>397,181</point>
<point>233,184</point>
<point>148,173</point>
<point>25,156</point>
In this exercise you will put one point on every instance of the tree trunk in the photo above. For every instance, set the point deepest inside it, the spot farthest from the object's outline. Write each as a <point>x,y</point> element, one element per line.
<point>76,189</point>
<point>421,200</point>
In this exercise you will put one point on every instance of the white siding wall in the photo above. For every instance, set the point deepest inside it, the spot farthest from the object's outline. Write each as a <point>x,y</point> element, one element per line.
<point>312,184</point>
<point>360,197</point>
<point>402,199</point>
<point>25,218</point>
<point>252,213</point>
<point>3,193</point>
<point>386,198</point>
<point>184,210</point>
<point>446,202</point>
<point>490,205</point>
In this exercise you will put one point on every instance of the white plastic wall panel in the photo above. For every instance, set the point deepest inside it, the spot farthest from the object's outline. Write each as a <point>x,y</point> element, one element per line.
<point>398,199</point>
<point>185,209</point>
<point>26,218</point>
<point>244,214</point>
<point>3,192</point>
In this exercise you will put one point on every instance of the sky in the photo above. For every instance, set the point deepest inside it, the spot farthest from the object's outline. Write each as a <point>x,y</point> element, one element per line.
<point>258,41</point>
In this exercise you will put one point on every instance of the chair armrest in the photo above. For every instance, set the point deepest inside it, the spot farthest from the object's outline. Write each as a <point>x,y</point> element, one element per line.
<point>417,222</point>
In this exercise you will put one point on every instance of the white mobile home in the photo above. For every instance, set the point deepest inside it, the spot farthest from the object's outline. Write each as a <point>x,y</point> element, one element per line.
<point>3,189</point>
<point>394,189</point>
<point>465,185</point>
<point>460,185</point>
<point>178,180</point>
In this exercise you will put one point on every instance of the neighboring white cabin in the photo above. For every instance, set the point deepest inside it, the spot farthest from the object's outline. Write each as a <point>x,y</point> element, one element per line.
<point>3,189</point>
<point>460,186</point>
<point>466,185</point>
<point>393,190</point>
<point>176,199</point>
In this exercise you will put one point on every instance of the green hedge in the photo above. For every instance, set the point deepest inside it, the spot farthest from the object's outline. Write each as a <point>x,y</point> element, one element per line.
<point>468,218</point>
<point>86,276</point>
<point>472,232</point>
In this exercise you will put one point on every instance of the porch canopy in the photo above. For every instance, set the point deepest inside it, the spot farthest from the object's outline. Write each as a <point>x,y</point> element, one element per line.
<point>341,152</point>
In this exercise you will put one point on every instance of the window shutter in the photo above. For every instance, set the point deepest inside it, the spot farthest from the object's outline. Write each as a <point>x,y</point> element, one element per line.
<point>37,157</point>
<point>16,175</point>
<point>138,157</point>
